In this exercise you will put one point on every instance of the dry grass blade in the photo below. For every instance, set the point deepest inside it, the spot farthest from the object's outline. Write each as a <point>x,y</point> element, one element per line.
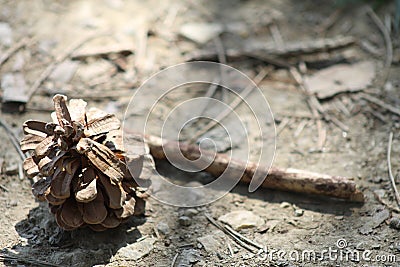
<point>388,42</point>
<point>243,238</point>
<point>174,260</point>
<point>389,149</point>
<point>380,103</point>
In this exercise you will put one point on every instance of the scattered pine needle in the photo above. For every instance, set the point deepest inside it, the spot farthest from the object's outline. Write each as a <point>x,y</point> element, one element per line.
<point>396,192</point>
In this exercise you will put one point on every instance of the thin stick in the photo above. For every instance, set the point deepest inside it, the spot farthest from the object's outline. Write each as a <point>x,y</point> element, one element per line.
<point>174,259</point>
<point>380,103</point>
<point>233,105</point>
<point>276,35</point>
<point>282,125</point>
<point>4,188</point>
<point>47,72</point>
<point>240,242</point>
<point>243,238</point>
<point>13,138</point>
<point>222,60</point>
<point>330,21</point>
<point>389,149</point>
<point>6,55</point>
<point>300,127</point>
<point>388,41</point>
<point>230,249</point>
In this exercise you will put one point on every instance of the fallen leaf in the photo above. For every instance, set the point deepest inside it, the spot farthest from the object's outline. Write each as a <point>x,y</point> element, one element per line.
<point>341,78</point>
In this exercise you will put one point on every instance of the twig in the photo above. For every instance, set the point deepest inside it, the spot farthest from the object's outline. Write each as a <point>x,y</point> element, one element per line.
<point>7,54</point>
<point>235,238</point>
<point>47,72</point>
<point>13,138</point>
<point>383,202</point>
<point>276,35</point>
<point>210,92</point>
<point>314,103</point>
<point>330,21</point>
<point>380,103</point>
<point>230,249</point>
<point>271,52</point>
<point>282,125</point>
<point>243,238</point>
<point>174,259</point>
<point>4,188</point>
<point>388,42</point>
<point>300,127</point>
<point>222,60</point>
<point>238,100</point>
<point>293,180</point>
<point>389,149</point>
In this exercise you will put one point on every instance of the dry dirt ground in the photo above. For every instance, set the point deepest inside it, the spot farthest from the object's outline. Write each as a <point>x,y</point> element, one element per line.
<point>293,222</point>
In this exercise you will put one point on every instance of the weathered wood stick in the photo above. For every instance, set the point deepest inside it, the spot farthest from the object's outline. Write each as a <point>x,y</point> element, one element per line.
<point>292,180</point>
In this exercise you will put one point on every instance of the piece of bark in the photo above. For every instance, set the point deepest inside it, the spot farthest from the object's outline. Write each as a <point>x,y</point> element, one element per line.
<point>292,180</point>
<point>260,49</point>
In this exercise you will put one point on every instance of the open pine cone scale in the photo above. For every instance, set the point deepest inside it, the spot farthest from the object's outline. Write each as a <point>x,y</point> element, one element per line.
<point>79,163</point>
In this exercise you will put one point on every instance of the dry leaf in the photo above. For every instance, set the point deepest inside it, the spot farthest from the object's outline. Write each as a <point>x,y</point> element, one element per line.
<point>341,78</point>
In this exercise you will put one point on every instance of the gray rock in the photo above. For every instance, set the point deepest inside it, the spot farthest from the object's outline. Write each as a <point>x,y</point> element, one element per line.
<point>241,219</point>
<point>210,242</point>
<point>188,257</point>
<point>377,219</point>
<point>163,228</point>
<point>201,33</point>
<point>395,223</point>
<point>185,221</point>
<point>136,250</point>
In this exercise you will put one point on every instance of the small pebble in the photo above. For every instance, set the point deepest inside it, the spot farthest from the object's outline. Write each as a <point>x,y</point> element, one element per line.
<point>13,203</point>
<point>185,221</point>
<point>163,228</point>
<point>376,246</point>
<point>395,223</point>
<point>298,212</point>
<point>190,212</point>
<point>285,205</point>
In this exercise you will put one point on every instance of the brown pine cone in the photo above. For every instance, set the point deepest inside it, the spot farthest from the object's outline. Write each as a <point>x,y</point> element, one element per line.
<point>79,164</point>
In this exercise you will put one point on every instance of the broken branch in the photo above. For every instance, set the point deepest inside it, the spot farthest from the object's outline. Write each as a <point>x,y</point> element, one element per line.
<point>292,180</point>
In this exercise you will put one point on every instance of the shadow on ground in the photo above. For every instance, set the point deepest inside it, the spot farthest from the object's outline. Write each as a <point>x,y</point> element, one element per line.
<point>40,236</point>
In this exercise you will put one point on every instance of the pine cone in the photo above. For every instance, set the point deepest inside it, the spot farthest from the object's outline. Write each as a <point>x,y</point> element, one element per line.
<point>80,168</point>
